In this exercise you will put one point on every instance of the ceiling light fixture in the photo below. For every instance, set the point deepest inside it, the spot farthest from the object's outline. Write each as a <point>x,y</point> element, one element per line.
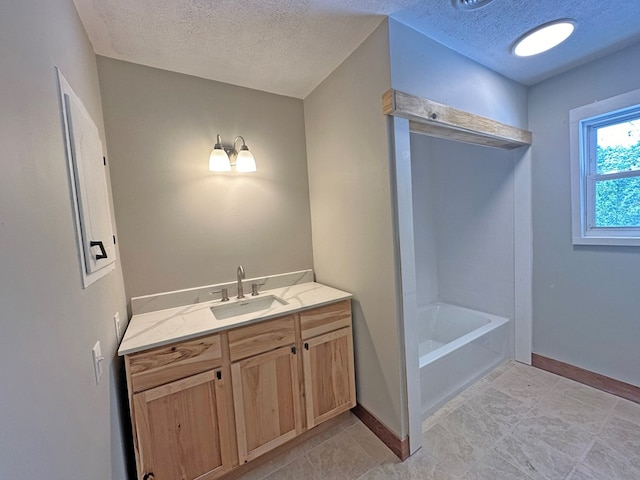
<point>543,38</point>
<point>470,4</point>
<point>220,158</point>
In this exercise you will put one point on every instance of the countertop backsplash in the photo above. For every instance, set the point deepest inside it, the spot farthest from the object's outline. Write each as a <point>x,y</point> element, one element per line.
<point>207,293</point>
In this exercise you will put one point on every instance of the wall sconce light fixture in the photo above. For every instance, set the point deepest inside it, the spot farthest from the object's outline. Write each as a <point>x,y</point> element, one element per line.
<point>221,158</point>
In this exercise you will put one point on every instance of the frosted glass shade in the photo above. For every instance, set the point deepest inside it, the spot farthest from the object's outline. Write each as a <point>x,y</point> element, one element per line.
<point>543,38</point>
<point>219,161</point>
<point>245,162</point>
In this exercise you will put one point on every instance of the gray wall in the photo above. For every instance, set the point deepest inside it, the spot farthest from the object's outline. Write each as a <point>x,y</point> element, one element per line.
<point>180,225</point>
<point>353,245</point>
<point>586,307</point>
<point>425,225</point>
<point>423,67</point>
<point>56,423</point>
<point>463,224</point>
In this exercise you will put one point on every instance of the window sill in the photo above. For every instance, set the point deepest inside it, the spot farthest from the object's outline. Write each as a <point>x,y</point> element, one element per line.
<point>608,241</point>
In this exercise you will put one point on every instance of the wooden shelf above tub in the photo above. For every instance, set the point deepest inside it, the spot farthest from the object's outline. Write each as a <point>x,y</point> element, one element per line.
<point>431,118</point>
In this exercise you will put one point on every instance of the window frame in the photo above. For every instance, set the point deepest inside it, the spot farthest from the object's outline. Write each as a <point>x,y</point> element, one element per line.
<point>583,122</point>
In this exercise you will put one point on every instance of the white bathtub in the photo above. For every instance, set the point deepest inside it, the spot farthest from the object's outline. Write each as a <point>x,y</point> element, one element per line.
<point>457,346</point>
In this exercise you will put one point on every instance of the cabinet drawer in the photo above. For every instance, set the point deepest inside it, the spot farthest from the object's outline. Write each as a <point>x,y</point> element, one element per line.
<point>165,364</point>
<point>325,319</point>
<point>261,337</point>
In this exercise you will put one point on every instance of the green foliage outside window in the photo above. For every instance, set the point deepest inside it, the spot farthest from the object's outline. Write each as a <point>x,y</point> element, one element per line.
<point>618,200</point>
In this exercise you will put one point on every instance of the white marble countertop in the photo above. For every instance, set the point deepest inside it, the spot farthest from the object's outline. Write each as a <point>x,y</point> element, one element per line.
<point>162,327</point>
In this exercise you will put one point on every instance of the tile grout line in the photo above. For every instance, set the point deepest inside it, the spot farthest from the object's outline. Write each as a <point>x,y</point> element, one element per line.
<point>303,454</point>
<point>489,449</point>
<point>527,415</point>
<point>575,462</point>
<point>355,440</point>
<point>596,435</point>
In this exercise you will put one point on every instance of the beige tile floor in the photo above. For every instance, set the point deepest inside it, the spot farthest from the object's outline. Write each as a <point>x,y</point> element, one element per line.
<point>517,423</point>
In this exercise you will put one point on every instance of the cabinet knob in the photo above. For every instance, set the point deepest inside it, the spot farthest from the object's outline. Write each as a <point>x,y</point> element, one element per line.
<point>294,350</point>
<point>306,346</point>
<point>148,476</point>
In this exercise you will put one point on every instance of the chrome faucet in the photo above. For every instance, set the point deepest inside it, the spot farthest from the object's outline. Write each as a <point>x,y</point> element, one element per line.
<point>240,273</point>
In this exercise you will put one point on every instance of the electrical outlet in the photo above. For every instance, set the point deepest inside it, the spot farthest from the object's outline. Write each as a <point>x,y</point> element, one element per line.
<point>98,359</point>
<point>116,321</point>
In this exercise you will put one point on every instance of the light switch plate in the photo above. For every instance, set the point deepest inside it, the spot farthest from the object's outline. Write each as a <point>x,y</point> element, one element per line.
<point>97,361</point>
<point>116,321</point>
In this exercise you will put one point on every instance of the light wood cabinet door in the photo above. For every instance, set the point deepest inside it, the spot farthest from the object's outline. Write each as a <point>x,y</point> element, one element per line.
<point>182,429</point>
<point>266,398</point>
<point>329,379</point>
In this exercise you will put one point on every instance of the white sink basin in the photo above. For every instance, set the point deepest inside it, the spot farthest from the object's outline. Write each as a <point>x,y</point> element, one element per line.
<point>243,307</point>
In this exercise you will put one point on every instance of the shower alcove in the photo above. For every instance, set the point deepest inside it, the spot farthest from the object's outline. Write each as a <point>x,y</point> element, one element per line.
<point>463,222</point>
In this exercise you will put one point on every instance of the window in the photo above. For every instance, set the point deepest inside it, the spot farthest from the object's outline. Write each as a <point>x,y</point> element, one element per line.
<point>605,168</point>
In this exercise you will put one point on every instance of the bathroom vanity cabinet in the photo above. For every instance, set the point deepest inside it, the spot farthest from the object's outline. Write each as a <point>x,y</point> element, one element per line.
<point>201,407</point>
<point>327,359</point>
<point>180,408</point>
<point>266,388</point>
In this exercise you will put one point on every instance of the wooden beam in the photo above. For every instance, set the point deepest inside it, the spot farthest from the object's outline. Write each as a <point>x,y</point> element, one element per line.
<point>431,118</point>
<point>450,133</point>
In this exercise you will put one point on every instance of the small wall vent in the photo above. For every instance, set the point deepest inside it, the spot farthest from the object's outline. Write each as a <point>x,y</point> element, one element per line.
<point>470,4</point>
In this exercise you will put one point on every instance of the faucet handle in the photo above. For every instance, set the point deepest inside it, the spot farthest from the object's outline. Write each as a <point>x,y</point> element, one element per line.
<point>254,289</point>
<point>224,297</point>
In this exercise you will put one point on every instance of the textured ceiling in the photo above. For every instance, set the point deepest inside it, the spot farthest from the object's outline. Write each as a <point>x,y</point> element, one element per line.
<point>289,46</point>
